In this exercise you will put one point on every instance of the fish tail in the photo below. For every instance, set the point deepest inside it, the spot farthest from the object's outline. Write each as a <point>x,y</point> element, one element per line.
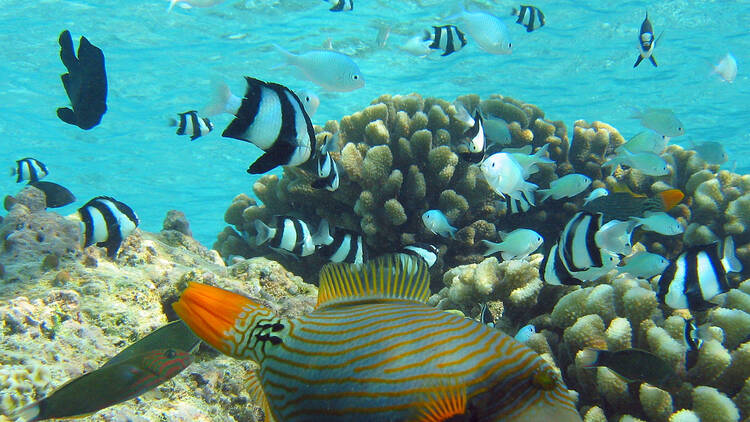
<point>28,413</point>
<point>492,247</point>
<point>288,56</point>
<point>221,97</point>
<point>670,198</point>
<point>218,316</point>
<point>263,233</point>
<point>171,5</point>
<point>323,235</point>
<point>546,193</point>
<point>729,260</point>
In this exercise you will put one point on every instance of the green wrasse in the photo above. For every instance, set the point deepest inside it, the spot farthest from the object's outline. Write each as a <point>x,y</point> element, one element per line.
<point>372,350</point>
<point>623,204</point>
<point>108,385</point>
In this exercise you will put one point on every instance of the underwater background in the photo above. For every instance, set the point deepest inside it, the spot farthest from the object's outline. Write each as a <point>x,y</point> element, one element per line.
<point>578,66</point>
<point>61,317</point>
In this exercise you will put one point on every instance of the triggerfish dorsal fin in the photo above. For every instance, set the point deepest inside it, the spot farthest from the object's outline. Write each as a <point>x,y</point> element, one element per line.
<point>389,277</point>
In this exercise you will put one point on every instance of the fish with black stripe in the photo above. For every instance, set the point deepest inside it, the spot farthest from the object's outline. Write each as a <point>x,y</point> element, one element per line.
<point>346,246</point>
<point>646,43</point>
<point>529,17</point>
<point>105,222</point>
<point>373,350</point>
<point>189,123</point>
<point>292,236</point>
<point>341,5</point>
<point>328,170</point>
<point>447,38</point>
<point>697,276</point>
<point>577,256</point>
<point>425,251</point>
<point>477,141</point>
<point>29,170</point>
<point>694,343</point>
<point>273,118</point>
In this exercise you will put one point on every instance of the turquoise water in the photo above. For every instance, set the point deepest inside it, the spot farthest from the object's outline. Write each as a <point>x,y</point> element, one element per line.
<point>579,66</point>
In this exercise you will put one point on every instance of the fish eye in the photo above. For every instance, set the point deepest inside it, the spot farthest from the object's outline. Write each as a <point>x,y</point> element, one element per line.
<point>510,45</point>
<point>355,77</point>
<point>170,354</point>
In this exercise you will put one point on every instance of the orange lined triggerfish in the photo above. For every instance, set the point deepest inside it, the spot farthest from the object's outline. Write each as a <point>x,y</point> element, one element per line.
<point>372,350</point>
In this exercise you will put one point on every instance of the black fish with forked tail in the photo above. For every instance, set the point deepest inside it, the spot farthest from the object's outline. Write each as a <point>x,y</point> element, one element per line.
<point>85,83</point>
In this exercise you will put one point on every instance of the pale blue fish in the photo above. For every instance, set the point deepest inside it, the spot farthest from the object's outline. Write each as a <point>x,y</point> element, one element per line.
<point>529,162</point>
<point>615,236</point>
<point>506,177</point>
<point>660,120</point>
<point>330,70</point>
<point>488,31</point>
<point>711,152</point>
<point>645,141</point>
<point>517,244</point>
<point>524,333</point>
<point>496,130</point>
<point>596,193</point>
<point>644,265</point>
<point>567,186</point>
<point>660,222</point>
<point>647,163</point>
<point>437,222</point>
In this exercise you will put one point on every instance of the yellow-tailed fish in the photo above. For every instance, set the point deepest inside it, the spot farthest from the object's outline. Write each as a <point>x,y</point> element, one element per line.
<point>108,385</point>
<point>372,350</point>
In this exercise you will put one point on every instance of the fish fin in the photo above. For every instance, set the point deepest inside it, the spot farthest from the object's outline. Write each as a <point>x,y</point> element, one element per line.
<point>67,115</point>
<point>219,317</point>
<point>492,247</point>
<point>653,60</point>
<point>729,260</point>
<point>258,395</point>
<point>388,277</point>
<point>279,154</point>
<point>28,413</point>
<point>263,232</point>
<point>546,193</point>
<point>288,56</point>
<point>222,100</point>
<point>670,198</point>
<point>56,195</point>
<point>323,235</point>
<point>171,5</point>
<point>638,60</point>
<point>443,403</point>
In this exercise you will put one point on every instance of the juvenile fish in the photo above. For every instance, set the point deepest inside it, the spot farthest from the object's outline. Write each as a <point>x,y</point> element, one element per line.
<point>189,123</point>
<point>524,333</point>
<point>614,236</point>
<point>447,38</point>
<point>594,194</point>
<point>530,17</point>
<point>646,141</point>
<point>85,83</point>
<point>105,222</point>
<point>646,43</point>
<point>661,120</point>
<point>660,222</point>
<point>437,222</point>
<point>341,5</point>
<point>330,70</point>
<point>488,31</point>
<point>644,265</point>
<point>29,170</point>
<point>506,177</point>
<point>477,142</point>
<point>566,187</point>
<point>631,364</point>
<point>424,251</point>
<point>712,152</point>
<point>647,163</point>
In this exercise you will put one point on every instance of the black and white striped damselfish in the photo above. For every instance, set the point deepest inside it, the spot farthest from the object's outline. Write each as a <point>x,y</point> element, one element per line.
<point>373,350</point>
<point>447,38</point>
<point>273,118</point>
<point>577,257</point>
<point>646,43</point>
<point>346,246</point>
<point>697,276</point>
<point>289,235</point>
<point>342,5</point>
<point>477,141</point>
<point>529,17</point>
<point>29,170</point>
<point>425,251</point>
<point>189,123</point>
<point>328,170</point>
<point>106,222</point>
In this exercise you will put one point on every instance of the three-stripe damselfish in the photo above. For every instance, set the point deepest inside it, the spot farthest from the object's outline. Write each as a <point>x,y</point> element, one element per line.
<point>372,350</point>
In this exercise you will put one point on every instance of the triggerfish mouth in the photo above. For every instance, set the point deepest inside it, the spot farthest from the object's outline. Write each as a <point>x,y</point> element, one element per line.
<point>373,350</point>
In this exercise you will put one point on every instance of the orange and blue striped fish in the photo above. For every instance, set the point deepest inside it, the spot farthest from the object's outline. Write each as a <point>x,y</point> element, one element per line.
<point>372,350</point>
<point>111,384</point>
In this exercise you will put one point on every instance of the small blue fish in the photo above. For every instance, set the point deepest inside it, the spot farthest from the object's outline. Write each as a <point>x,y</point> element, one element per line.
<point>330,70</point>
<point>438,223</point>
<point>644,265</point>
<point>524,333</point>
<point>661,120</point>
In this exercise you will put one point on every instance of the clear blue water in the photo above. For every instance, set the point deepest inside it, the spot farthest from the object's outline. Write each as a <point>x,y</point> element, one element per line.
<point>579,66</point>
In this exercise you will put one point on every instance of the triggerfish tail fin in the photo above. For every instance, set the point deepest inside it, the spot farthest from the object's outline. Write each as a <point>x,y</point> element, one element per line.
<point>670,198</point>
<point>443,404</point>
<point>220,317</point>
<point>389,277</point>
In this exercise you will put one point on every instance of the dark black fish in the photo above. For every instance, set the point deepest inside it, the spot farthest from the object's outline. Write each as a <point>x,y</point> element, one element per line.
<point>694,278</point>
<point>29,169</point>
<point>429,253</point>
<point>634,365</point>
<point>189,123</point>
<point>342,6</point>
<point>447,38</point>
<point>477,143</point>
<point>106,222</point>
<point>625,204</point>
<point>347,246</point>
<point>85,83</point>
<point>646,43</point>
<point>529,17</point>
<point>57,196</point>
<point>284,131</point>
